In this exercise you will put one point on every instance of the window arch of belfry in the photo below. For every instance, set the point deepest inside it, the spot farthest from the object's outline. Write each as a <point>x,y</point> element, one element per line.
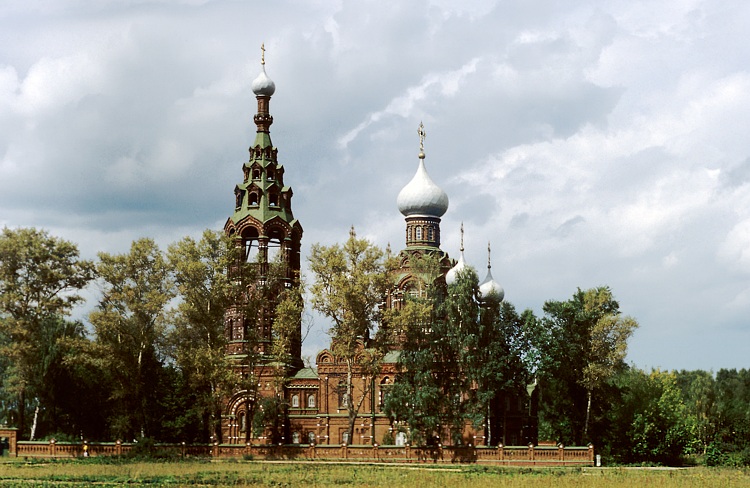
<point>250,243</point>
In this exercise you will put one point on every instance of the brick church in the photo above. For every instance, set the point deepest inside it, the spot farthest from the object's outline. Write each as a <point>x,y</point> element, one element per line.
<point>265,231</point>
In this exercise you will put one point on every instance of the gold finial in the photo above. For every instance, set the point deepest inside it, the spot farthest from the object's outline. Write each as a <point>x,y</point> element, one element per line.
<point>263,53</point>
<point>422,135</point>
<point>489,263</point>
<point>462,237</point>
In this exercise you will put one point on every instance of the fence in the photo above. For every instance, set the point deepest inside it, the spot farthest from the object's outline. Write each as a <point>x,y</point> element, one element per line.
<point>501,455</point>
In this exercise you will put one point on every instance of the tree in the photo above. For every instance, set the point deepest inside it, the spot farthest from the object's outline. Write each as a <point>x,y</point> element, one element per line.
<point>461,354</point>
<point>655,417</point>
<point>130,323</point>
<point>500,359</point>
<point>433,391</point>
<point>350,282</point>
<point>40,276</point>
<point>199,269</point>
<point>585,344</point>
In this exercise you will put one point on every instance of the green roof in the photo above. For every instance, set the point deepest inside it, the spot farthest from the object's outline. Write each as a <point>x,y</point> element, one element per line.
<point>306,373</point>
<point>391,356</point>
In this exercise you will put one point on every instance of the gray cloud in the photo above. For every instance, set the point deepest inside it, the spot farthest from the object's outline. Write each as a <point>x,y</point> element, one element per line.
<point>595,143</point>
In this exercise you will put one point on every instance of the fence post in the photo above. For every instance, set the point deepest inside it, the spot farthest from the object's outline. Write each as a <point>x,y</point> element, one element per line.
<point>561,452</point>
<point>591,453</point>
<point>215,450</point>
<point>531,451</point>
<point>344,451</point>
<point>375,451</point>
<point>52,450</point>
<point>500,452</point>
<point>118,447</point>
<point>408,453</point>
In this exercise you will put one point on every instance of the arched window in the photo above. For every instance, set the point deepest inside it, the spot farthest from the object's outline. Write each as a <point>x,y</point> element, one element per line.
<point>269,174</point>
<point>296,438</point>
<point>311,401</point>
<point>295,401</point>
<point>243,422</point>
<point>273,200</point>
<point>256,174</point>
<point>253,199</point>
<point>343,397</point>
<point>311,437</point>
<point>418,233</point>
<point>430,234</point>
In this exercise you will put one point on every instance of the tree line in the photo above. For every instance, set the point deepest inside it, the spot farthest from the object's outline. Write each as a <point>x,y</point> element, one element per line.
<point>150,361</point>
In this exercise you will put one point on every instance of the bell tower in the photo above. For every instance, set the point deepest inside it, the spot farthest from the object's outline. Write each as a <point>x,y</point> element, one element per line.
<point>266,234</point>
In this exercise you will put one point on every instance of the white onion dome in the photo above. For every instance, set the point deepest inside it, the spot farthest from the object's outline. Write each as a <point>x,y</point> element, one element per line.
<point>263,85</point>
<point>489,289</point>
<point>421,196</point>
<point>452,275</point>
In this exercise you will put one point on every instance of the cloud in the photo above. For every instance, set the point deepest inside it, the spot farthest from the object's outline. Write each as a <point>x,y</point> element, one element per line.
<point>593,143</point>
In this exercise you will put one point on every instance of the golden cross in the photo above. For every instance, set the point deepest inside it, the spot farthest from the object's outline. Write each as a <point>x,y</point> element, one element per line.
<point>422,135</point>
<point>263,53</point>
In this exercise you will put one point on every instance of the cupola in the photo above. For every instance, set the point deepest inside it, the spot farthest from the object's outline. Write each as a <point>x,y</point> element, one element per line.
<point>489,289</point>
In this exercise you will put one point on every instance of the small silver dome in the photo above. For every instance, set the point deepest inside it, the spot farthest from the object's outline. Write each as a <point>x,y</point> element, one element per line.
<point>421,196</point>
<point>489,289</point>
<point>452,274</point>
<point>263,85</point>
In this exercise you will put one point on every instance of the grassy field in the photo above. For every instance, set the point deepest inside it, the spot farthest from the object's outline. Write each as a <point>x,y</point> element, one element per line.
<point>248,473</point>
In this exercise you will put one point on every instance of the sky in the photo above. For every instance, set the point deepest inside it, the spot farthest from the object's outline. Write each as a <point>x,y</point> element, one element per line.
<point>592,142</point>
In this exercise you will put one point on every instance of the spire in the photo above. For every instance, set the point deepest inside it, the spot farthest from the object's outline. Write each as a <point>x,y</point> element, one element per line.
<point>422,135</point>
<point>452,274</point>
<point>462,238</point>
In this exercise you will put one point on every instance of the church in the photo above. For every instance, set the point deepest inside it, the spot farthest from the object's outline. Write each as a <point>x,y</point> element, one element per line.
<point>264,230</point>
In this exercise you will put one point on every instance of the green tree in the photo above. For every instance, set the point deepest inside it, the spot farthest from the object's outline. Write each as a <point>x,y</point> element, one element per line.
<point>40,276</point>
<point>698,389</point>
<point>499,358</point>
<point>350,282</point>
<point>434,391</point>
<point>585,345</point>
<point>732,442</point>
<point>130,325</point>
<point>655,417</point>
<point>197,340</point>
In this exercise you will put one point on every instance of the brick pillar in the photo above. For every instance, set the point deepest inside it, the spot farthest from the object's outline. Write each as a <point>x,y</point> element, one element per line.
<point>118,447</point>
<point>52,448</point>
<point>500,452</point>
<point>561,452</point>
<point>591,453</point>
<point>531,451</point>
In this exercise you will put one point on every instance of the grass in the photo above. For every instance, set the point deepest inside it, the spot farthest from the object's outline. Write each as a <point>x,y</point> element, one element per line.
<point>47,473</point>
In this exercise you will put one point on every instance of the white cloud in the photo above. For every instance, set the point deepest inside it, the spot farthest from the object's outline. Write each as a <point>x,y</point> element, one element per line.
<point>592,143</point>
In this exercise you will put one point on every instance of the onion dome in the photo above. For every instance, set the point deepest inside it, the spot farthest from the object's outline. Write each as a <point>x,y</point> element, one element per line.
<point>452,274</point>
<point>421,196</point>
<point>489,289</point>
<point>263,85</point>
